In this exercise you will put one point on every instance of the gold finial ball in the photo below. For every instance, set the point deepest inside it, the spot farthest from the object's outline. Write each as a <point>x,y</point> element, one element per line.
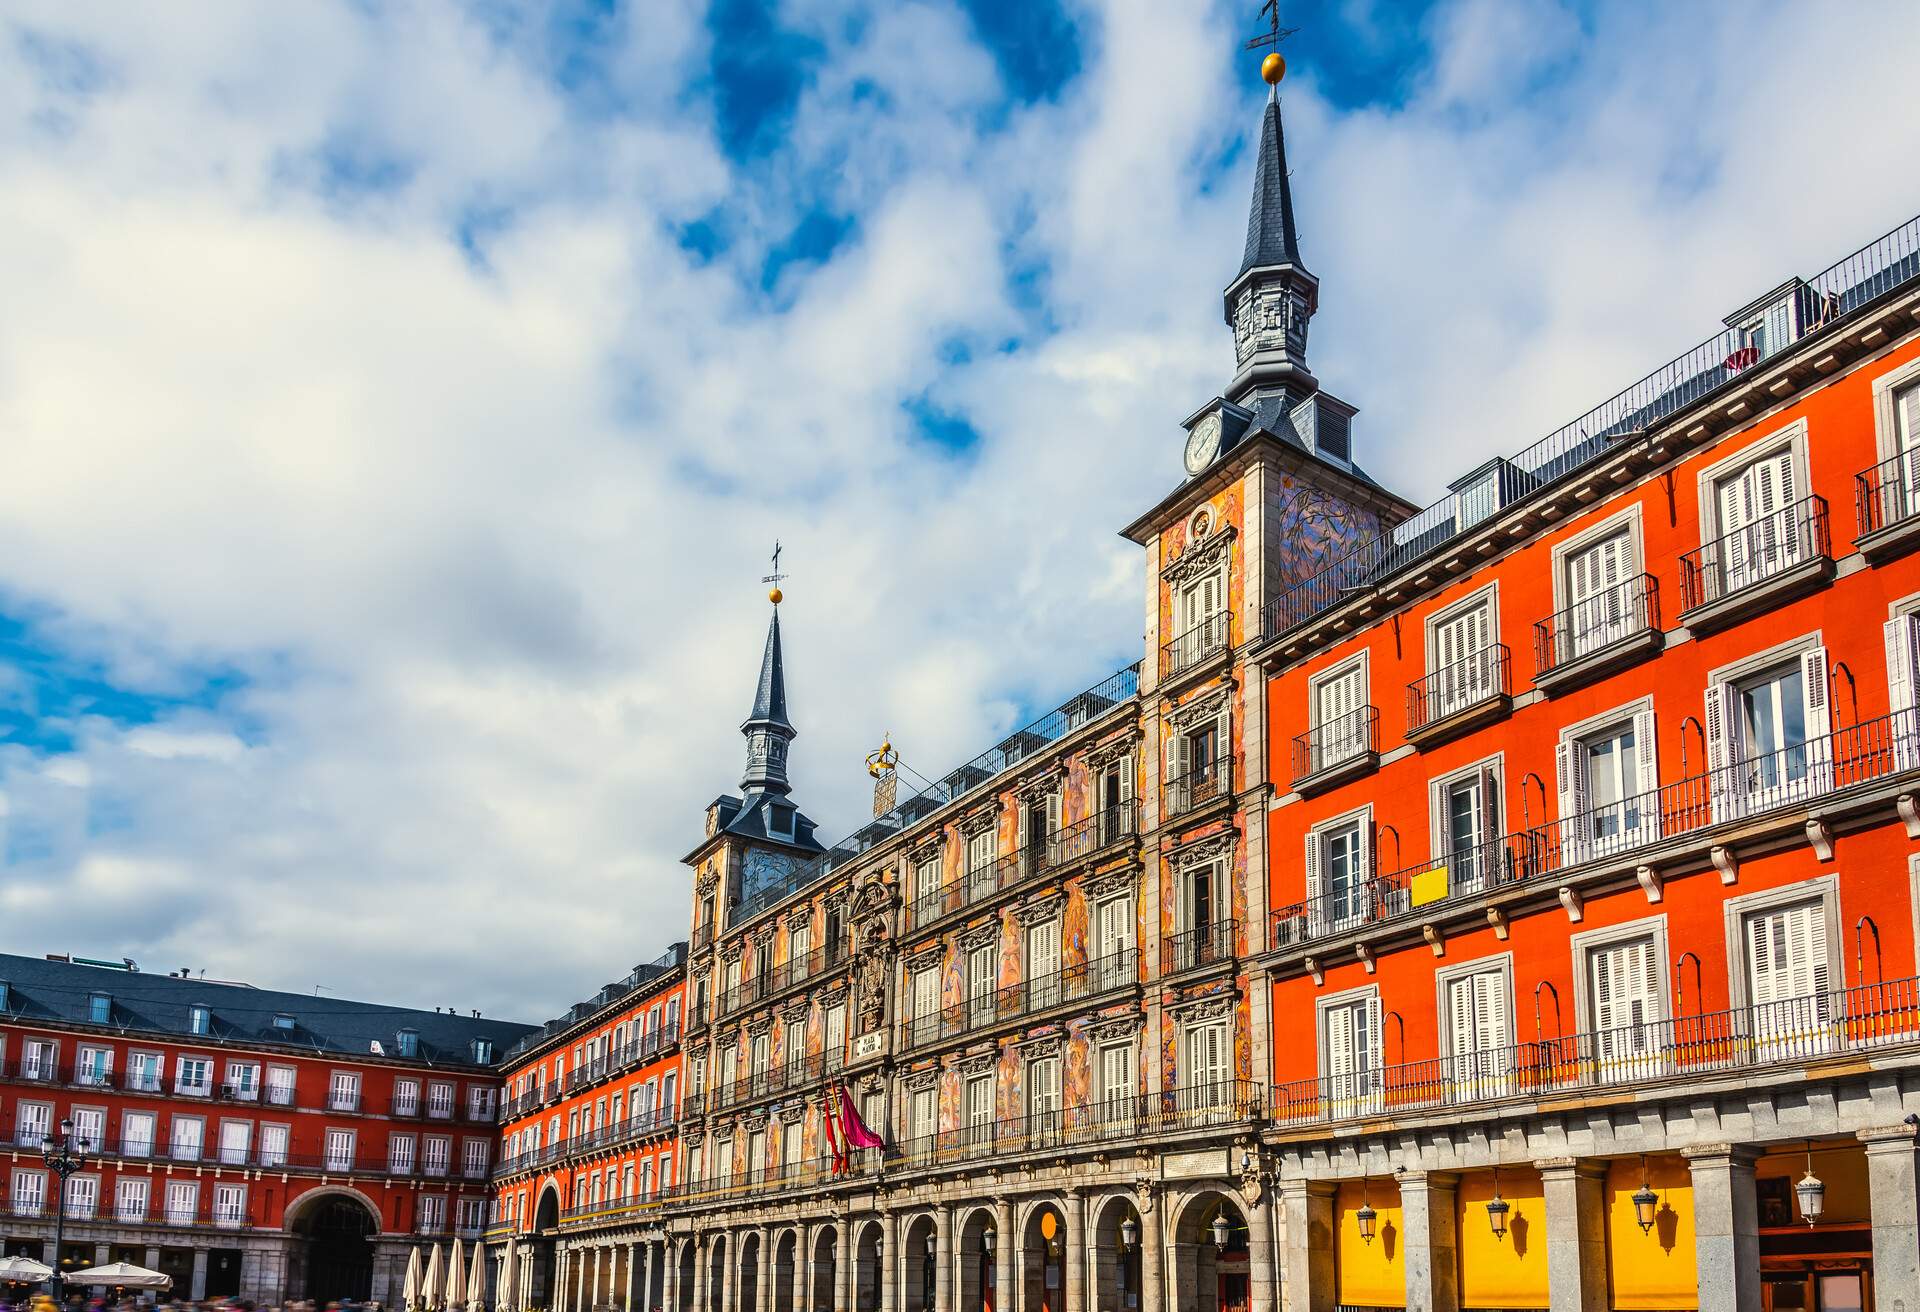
<point>775,596</point>
<point>1273,68</point>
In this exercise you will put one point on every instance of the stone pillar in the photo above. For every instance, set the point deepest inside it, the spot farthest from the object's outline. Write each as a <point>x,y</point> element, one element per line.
<point>1307,1206</point>
<point>943,1248</point>
<point>199,1274</point>
<point>626,1296</point>
<point>1576,1233</point>
<point>848,1274</point>
<point>670,1282</point>
<point>763,1273</point>
<point>102,1254</point>
<point>889,1263</point>
<point>700,1258</point>
<point>1153,1279</point>
<point>1076,1240</point>
<point>1726,1227</point>
<point>1432,1242</point>
<point>1261,1286</point>
<point>153,1259</point>
<point>1005,1242</point>
<point>1891,1184</point>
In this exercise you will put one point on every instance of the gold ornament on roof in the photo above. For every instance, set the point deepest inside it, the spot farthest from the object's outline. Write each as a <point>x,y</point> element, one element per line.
<point>1273,68</point>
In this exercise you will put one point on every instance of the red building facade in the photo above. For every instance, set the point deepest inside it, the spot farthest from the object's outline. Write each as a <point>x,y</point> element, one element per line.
<point>245,1142</point>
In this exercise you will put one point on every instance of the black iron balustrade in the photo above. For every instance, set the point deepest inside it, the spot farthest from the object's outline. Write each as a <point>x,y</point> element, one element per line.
<point>1203,945</point>
<point>1204,640</point>
<point>1336,742</point>
<point>1469,683</point>
<point>1091,836</point>
<point>1073,983</point>
<point>1597,623</point>
<point>1888,494</point>
<point>1752,554</point>
<point>1199,786</point>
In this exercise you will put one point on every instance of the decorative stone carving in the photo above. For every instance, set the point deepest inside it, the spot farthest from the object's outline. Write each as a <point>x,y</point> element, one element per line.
<point>926,958</point>
<point>789,1112</point>
<point>980,936</point>
<point>1206,849</point>
<point>705,884</point>
<point>978,819</point>
<point>926,845</point>
<point>1123,1027</point>
<point>730,950</point>
<point>1201,557</point>
<point>1200,710</point>
<point>758,1025</point>
<point>1146,1190</point>
<point>1211,1006</point>
<point>1252,1172</point>
<point>1114,883</point>
<point>1126,744</point>
<point>917,1081</point>
<point>756,1119</point>
<point>871,1082</point>
<point>796,1010</point>
<point>1042,908</point>
<point>1041,783</point>
<point>799,917</point>
<point>833,995</point>
<point>983,1062</point>
<point>693,1136</point>
<point>1039,1046</point>
<point>837,898</point>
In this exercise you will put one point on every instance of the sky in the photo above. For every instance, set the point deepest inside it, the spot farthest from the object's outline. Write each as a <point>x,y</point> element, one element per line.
<point>399,401</point>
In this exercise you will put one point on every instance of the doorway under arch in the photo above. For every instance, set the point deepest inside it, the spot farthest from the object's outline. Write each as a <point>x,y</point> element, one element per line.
<point>335,1237</point>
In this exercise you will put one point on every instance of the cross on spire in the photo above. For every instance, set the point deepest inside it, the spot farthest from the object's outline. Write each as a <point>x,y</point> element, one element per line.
<point>775,578</point>
<point>1272,38</point>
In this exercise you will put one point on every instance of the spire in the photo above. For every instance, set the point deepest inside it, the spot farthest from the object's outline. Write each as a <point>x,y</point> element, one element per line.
<point>1270,234</point>
<point>767,728</point>
<point>770,696</point>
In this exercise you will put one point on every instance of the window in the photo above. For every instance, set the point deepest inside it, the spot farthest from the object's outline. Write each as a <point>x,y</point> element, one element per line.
<point>926,887</point>
<point>199,1020</point>
<point>29,1192</point>
<point>1350,1053</point>
<point>762,1057</point>
<point>1467,828</point>
<point>433,1214</point>
<point>1039,822</point>
<point>981,852</point>
<point>470,1213</point>
<point>235,1138</point>
<point>1607,778</point>
<point>1119,1082</point>
<point>143,1072</point>
<point>33,1122</point>
<point>130,1199</point>
<point>39,1060</point>
<point>1756,520</point>
<point>793,1042</point>
<point>284,1021</point>
<point>1342,728</point>
<point>136,1134</point>
<point>1043,965</point>
<point>1767,735</point>
<point>436,1151</point>
<point>89,1128</point>
<point>189,1135</point>
<point>1339,871</point>
<point>406,1097</point>
<point>229,1204</point>
<point>473,1158</point>
<point>1113,920</point>
<point>1599,609</point>
<point>1626,1006</point>
<point>483,1052</point>
<point>183,1202</point>
<point>243,1081</point>
<point>83,1196</point>
<point>799,944</point>
<point>979,1104</point>
<point>1208,1060</point>
<point>1194,750</point>
<point>440,1100</point>
<point>669,1106</point>
<point>1477,1019</point>
<point>407,1043</point>
<point>1462,660</point>
<point>339,1150</point>
<point>400,1154</point>
<point>1115,800</point>
<point>343,1092</point>
<point>924,1119</point>
<point>100,1008</point>
<point>96,1066</point>
<point>836,1040</point>
<point>479,1102</point>
<point>1043,1095</point>
<point>193,1076</point>
<point>1787,951</point>
<point>983,980</point>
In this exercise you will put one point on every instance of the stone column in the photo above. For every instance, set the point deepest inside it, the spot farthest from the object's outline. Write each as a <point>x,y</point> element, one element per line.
<point>199,1274</point>
<point>1307,1206</point>
<point>943,1248</point>
<point>763,1271</point>
<point>1076,1240</point>
<point>590,1301</point>
<point>153,1259</point>
<point>1891,1184</point>
<point>1153,1280</point>
<point>1726,1227</point>
<point>670,1283</point>
<point>1576,1233</point>
<point>848,1275</point>
<point>1261,1285</point>
<point>1005,1242</point>
<point>102,1254</point>
<point>1432,1242</point>
<point>700,1257</point>
<point>889,1263</point>
<point>626,1297</point>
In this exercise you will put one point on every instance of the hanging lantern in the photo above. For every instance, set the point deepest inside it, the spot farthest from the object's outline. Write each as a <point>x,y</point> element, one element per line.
<point>1365,1218</point>
<point>986,1242</point>
<point>1129,1233</point>
<point>1220,1231</point>
<point>1646,1205</point>
<point>1811,1192</point>
<point>1497,1209</point>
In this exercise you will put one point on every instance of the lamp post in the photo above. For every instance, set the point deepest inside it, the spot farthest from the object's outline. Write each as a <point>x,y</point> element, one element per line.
<point>64,1155</point>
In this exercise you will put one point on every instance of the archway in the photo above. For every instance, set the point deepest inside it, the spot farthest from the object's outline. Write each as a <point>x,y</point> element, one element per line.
<point>786,1255</point>
<point>1042,1269</point>
<point>919,1248</point>
<point>685,1263</point>
<point>1210,1253</point>
<point>717,1261</point>
<point>826,1270</point>
<point>866,1268</point>
<point>541,1286</point>
<point>751,1258</point>
<point>974,1241</point>
<point>334,1233</point>
<point>1113,1280</point>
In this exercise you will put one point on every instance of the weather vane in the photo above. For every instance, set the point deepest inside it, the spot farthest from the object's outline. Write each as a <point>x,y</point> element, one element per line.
<point>775,578</point>
<point>1274,66</point>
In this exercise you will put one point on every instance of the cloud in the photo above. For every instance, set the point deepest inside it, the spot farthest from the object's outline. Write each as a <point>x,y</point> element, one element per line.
<point>354,352</point>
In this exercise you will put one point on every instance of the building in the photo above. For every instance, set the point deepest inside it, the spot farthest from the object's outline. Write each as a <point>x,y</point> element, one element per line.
<point>271,1145</point>
<point>590,1118</point>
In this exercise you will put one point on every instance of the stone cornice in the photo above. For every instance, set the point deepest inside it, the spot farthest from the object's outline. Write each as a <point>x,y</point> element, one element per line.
<point>1202,557</point>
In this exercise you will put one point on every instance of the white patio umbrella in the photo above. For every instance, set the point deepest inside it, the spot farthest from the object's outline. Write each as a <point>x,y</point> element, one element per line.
<point>477,1281</point>
<point>410,1292</point>
<point>119,1275</point>
<point>507,1297</point>
<point>457,1275</point>
<point>23,1271</point>
<point>431,1292</point>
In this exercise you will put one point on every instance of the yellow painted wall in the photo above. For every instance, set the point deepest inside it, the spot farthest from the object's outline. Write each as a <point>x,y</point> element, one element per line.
<point>1511,1271</point>
<point>1375,1274</point>
<point>1655,1270</point>
<point>1841,1168</point>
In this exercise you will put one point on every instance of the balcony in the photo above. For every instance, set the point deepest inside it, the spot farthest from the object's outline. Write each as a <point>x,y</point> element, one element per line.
<point>1887,498</point>
<point>1086,838</point>
<point>1195,647</point>
<point>1336,751</point>
<point>1198,788</point>
<point>1774,559</point>
<point>779,1079</point>
<point>1645,829</point>
<point>702,936</point>
<point>1461,696</point>
<point>1195,949</point>
<point>1071,984</point>
<point>1603,633</point>
<point>1778,1037</point>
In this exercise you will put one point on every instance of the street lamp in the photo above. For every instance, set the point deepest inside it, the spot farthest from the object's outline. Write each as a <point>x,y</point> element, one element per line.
<point>1810,1191</point>
<point>1646,1203</point>
<point>1366,1216</point>
<point>1497,1208</point>
<point>1221,1233</point>
<point>64,1155</point>
<point>1129,1234</point>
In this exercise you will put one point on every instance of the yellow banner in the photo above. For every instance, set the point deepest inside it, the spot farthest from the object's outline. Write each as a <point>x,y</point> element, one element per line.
<point>1428,886</point>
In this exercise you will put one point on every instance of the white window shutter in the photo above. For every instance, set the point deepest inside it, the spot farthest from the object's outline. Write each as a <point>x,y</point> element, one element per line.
<point>1563,754</point>
<point>1315,880</point>
<point>1813,679</point>
<point>1370,1057</point>
<point>1053,814</point>
<point>1460,1014</point>
<point>1899,636</point>
<point>1492,823</point>
<point>1646,747</point>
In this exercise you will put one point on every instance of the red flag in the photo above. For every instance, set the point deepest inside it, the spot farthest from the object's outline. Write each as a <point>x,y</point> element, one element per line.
<point>837,1153</point>
<point>852,1129</point>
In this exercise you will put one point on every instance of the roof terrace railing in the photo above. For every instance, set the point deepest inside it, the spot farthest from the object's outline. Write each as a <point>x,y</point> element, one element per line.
<point>1082,709</point>
<point>1867,274</point>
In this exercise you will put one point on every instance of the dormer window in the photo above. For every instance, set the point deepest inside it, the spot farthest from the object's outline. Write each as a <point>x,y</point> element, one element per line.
<point>199,1019</point>
<point>482,1052</point>
<point>779,820</point>
<point>282,1021</point>
<point>99,1008</point>
<point>6,996</point>
<point>408,1043</point>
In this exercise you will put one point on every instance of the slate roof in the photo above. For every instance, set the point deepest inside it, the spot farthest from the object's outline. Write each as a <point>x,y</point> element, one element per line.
<point>1270,234</point>
<point>770,697</point>
<point>39,989</point>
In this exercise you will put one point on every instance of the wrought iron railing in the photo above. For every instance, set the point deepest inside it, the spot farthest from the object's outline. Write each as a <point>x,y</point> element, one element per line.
<point>1750,555</point>
<point>1206,639</point>
<point>1889,493</point>
<point>1615,833</point>
<point>1466,683</point>
<point>1073,983</point>
<point>1084,838</point>
<point>1205,945</point>
<point>1625,610</point>
<point>1335,742</point>
<point>1198,786</point>
<point>1872,272</point>
<point>1787,1034</point>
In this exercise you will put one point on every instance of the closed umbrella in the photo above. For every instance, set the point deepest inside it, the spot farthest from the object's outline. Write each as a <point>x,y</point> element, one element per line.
<point>477,1281</point>
<point>431,1292</point>
<point>507,1297</point>
<point>457,1275</point>
<point>410,1289</point>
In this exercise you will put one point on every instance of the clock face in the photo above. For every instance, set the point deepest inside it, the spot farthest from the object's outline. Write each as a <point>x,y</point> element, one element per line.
<point>1203,442</point>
